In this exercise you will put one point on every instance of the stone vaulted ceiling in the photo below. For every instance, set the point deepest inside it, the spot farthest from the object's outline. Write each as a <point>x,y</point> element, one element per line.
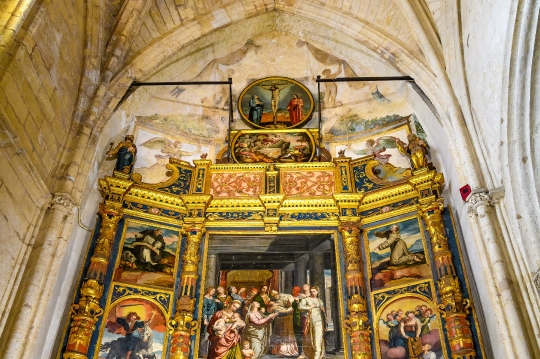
<point>382,16</point>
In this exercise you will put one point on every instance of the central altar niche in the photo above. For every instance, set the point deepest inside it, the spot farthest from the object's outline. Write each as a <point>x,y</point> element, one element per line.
<point>274,272</point>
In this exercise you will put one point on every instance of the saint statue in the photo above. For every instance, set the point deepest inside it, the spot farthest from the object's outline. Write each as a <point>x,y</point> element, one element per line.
<point>125,152</point>
<point>416,150</point>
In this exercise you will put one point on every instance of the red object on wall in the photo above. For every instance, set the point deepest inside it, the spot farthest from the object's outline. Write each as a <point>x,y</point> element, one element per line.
<point>465,191</point>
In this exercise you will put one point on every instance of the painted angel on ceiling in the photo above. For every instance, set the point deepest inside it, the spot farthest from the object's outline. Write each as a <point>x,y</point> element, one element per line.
<point>382,169</point>
<point>376,147</point>
<point>169,148</point>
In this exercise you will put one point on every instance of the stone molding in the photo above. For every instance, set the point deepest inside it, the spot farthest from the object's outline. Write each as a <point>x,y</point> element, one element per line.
<point>483,197</point>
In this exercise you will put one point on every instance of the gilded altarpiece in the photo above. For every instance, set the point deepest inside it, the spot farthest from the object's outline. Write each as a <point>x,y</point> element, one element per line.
<point>399,287</point>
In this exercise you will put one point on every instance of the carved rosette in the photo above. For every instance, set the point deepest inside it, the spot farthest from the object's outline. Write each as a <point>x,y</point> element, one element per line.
<point>357,320</point>
<point>183,326</point>
<point>454,308</point>
<point>87,311</point>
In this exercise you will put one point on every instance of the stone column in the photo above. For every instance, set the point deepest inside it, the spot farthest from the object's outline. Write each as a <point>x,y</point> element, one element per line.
<point>357,320</point>
<point>454,307</point>
<point>182,326</point>
<point>300,271</point>
<point>316,273</point>
<point>338,340</point>
<point>41,270</point>
<point>288,279</point>
<point>495,267</point>
<point>86,312</point>
<point>211,270</point>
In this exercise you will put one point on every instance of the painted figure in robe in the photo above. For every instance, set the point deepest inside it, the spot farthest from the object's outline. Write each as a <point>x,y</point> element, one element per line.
<point>149,246</point>
<point>283,338</point>
<point>400,253</point>
<point>295,109</point>
<point>313,309</point>
<point>256,107</point>
<point>225,343</point>
<point>257,330</point>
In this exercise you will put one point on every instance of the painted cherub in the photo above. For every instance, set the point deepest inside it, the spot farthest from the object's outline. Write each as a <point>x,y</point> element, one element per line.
<point>247,352</point>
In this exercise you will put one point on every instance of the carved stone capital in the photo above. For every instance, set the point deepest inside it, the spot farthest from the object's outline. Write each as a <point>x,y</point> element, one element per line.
<point>481,197</point>
<point>63,200</point>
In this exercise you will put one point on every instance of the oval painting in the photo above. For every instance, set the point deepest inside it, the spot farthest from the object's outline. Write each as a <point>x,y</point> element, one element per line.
<point>275,102</point>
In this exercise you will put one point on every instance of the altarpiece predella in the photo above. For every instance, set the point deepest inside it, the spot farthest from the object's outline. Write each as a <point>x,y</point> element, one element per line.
<point>276,250</point>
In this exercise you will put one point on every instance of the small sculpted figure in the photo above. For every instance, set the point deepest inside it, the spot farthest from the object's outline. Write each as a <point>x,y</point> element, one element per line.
<point>125,152</point>
<point>416,150</point>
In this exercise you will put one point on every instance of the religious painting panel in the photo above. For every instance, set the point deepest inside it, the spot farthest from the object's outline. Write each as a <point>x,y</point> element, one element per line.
<point>408,325</point>
<point>275,102</point>
<point>148,255</point>
<point>397,253</point>
<point>134,324</point>
<point>262,286</point>
<point>276,146</point>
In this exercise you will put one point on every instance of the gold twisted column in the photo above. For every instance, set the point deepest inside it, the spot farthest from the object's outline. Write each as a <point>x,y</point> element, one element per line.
<point>183,326</point>
<point>454,307</point>
<point>357,320</point>
<point>86,312</point>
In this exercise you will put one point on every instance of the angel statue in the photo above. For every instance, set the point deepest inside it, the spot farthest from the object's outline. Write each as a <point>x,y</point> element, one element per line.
<point>125,154</point>
<point>416,150</point>
<point>383,170</point>
<point>169,148</point>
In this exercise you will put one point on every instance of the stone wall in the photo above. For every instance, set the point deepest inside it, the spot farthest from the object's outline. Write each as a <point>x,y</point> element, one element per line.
<point>39,83</point>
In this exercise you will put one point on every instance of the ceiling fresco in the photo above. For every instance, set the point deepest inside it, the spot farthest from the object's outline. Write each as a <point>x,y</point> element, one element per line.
<point>187,121</point>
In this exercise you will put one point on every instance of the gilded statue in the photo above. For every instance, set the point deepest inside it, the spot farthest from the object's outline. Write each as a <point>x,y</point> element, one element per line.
<point>416,150</point>
<point>125,152</point>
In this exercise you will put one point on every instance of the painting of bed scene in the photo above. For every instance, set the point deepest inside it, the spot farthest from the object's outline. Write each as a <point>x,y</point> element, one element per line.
<point>410,328</point>
<point>273,147</point>
<point>397,254</point>
<point>148,255</point>
<point>134,328</point>
<point>276,102</point>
